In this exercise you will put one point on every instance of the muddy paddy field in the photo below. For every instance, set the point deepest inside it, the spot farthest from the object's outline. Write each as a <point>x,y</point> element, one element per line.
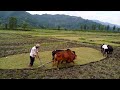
<point>90,67</point>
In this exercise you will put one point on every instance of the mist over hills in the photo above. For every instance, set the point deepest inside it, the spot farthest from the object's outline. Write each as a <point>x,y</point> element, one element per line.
<point>106,23</point>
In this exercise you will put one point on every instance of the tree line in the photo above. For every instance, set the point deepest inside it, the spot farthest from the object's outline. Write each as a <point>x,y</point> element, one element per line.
<point>99,27</point>
<point>12,24</point>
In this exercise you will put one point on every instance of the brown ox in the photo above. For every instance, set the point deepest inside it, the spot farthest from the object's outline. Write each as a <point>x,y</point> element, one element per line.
<point>64,55</point>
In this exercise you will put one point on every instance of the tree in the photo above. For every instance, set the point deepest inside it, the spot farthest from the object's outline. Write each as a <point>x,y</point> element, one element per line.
<point>118,29</point>
<point>58,27</point>
<point>12,23</point>
<point>24,25</point>
<point>6,26</point>
<point>99,27</point>
<point>93,27</point>
<point>81,27</point>
<point>108,27</point>
<point>1,24</point>
<point>85,27</point>
<point>114,28</point>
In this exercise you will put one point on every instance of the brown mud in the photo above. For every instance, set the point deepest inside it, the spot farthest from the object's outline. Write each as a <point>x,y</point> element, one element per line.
<point>108,68</point>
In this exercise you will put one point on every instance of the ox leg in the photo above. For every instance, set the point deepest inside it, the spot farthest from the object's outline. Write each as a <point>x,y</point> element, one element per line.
<point>73,62</point>
<point>62,61</point>
<point>67,62</point>
<point>57,65</point>
<point>66,65</point>
<point>53,62</point>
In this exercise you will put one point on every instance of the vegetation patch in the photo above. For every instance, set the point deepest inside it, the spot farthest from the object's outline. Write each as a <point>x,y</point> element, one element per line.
<point>84,55</point>
<point>115,42</point>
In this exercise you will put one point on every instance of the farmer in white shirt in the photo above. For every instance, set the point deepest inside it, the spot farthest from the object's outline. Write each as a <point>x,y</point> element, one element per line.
<point>33,54</point>
<point>104,48</point>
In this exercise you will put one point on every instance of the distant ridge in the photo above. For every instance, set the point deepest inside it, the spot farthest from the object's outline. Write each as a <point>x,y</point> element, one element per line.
<point>106,23</point>
<point>49,21</point>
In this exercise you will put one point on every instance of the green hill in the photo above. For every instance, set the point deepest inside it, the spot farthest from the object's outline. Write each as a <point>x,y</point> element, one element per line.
<point>50,21</point>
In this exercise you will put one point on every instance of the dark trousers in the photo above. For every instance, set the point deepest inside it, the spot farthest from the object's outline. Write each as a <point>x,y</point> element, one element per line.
<point>32,59</point>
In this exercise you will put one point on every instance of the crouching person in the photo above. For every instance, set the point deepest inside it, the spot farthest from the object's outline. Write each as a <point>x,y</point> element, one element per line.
<point>106,49</point>
<point>110,49</point>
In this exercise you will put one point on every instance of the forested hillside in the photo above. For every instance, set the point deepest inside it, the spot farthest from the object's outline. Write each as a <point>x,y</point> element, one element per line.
<point>24,19</point>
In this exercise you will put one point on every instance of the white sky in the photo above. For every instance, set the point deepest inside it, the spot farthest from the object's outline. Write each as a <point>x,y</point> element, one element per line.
<point>112,17</point>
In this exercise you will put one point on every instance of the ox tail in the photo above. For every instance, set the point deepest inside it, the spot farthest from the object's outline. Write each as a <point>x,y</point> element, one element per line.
<point>54,59</point>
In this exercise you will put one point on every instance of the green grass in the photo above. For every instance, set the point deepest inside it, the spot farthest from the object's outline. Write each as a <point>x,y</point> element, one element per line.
<point>84,55</point>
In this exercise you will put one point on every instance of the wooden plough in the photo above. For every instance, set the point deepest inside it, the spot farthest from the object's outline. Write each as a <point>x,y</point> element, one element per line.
<point>45,64</point>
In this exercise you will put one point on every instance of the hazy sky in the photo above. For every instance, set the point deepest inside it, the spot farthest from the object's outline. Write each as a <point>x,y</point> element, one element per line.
<point>105,16</point>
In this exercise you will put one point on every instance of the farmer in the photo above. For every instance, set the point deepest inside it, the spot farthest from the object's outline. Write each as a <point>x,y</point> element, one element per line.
<point>33,54</point>
<point>104,49</point>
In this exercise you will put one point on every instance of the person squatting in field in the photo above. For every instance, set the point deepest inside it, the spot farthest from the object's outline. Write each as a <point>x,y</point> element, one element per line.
<point>33,54</point>
<point>106,49</point>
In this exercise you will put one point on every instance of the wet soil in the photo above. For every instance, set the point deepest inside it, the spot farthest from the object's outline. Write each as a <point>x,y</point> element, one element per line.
<point>107,68</point>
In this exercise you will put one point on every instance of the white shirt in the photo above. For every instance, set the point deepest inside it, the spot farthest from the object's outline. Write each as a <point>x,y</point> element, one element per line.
<point>104,47</point>
<point>33,51</point>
